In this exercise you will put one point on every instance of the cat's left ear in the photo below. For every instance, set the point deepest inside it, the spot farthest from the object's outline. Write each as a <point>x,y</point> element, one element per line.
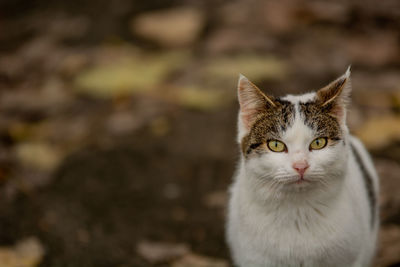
<point>335,96</point>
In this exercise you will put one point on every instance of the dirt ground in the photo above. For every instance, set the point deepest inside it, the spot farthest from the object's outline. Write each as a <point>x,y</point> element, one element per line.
<point>118,118</point>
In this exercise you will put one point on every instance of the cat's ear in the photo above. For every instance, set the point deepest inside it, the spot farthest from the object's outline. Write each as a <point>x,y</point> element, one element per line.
<point>335,96</point>
<point>252,102</point>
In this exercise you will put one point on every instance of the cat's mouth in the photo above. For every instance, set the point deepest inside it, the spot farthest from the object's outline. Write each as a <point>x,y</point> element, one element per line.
<point>301,180</point>
<point>297,184</point>
<point>297,180</point>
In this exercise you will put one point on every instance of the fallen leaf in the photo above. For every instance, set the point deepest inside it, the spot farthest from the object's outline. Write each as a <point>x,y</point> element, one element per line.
<point>128,75</point>
<point>388,128</point>
<point>254,67</point>
<point>201,98</point>
<point>26,253</point>
<point>39,155</point>
<point>173,27</point>
<point>217,199</point>
<point>156,252</point>
<point>194,260</point>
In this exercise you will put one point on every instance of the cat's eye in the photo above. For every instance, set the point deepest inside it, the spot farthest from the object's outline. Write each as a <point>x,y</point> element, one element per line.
<point>318,143</point>
<point>276,146</point>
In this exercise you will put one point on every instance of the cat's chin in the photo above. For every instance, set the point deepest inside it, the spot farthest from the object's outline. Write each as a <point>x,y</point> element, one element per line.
<point>298,184</point>
<point>298,187</point>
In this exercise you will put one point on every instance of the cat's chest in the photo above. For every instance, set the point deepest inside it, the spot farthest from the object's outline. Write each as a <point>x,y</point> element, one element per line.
<point>299,226</point>
<point>301,233</point>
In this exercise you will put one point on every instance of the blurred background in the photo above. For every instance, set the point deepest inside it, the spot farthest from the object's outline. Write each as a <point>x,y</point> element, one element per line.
<point>118,118</point>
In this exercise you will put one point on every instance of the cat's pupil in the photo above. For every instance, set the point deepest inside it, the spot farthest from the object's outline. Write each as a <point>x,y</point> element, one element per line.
<point>317,142</point>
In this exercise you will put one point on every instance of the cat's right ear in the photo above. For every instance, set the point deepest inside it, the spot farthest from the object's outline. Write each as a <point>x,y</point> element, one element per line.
<point>335,96</point>
<point>252,102</point>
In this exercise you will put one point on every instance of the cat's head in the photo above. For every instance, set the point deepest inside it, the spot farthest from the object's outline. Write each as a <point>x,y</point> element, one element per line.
<point>296,142</point>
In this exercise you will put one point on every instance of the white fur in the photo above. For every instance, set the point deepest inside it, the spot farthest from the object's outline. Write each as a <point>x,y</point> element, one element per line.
<point>298,98</point>
<point>322,223</point>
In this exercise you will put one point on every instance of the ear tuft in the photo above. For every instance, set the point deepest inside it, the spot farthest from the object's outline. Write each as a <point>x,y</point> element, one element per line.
<point>348,71</point>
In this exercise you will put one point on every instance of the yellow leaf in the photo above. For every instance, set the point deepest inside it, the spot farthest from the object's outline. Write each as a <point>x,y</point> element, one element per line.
<point>201,98</point>
<point>128,75</point>
<point>174,27</point>
<point>26,253</point>
<point>380,132</point>
<point>254,67</point>
<point>38,155</point>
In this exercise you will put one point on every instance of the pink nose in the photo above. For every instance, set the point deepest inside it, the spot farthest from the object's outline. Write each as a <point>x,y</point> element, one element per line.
<point>300,167</point>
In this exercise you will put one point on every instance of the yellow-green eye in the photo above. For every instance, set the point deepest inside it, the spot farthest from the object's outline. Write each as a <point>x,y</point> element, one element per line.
<point>276,146</point>
<point>318,143</point>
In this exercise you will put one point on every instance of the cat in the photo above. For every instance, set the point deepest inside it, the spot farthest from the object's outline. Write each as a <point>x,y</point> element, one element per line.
<point>305,190</point>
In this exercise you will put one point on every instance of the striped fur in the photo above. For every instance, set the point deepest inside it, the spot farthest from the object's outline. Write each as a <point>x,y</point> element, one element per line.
<point>369,177</point>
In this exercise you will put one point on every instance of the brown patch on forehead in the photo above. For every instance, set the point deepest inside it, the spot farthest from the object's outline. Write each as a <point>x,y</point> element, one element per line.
<point>270,123</point>
<point>319,118</point>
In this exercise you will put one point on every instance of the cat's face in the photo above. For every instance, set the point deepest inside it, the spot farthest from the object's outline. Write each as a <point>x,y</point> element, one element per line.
<point>297,142</point>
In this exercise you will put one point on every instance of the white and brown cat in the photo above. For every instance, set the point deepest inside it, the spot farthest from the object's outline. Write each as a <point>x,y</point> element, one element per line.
<point>305,192</point>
